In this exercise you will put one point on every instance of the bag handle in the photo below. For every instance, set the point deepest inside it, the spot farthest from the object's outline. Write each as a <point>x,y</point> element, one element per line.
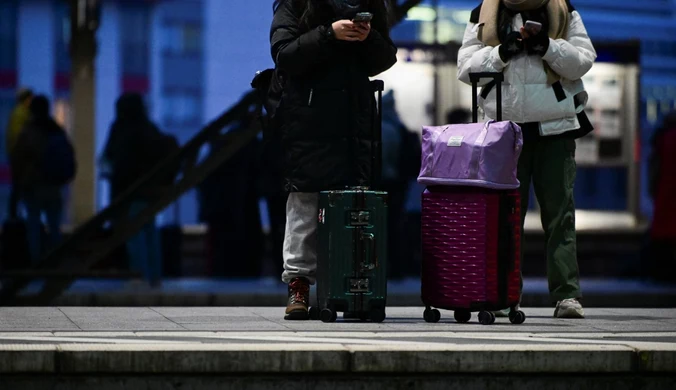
<point>498,77</point>
<point>376,145</point>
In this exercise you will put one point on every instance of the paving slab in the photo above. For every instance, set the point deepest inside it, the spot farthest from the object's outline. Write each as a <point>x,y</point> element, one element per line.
<point>34,319</point>
<point>197,292</point>
<point>118,318</point>
<point>236,340</point>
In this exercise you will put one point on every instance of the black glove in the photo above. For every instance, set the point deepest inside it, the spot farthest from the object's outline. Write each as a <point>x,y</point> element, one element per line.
<point>512,46</point>
<point>538,44</point>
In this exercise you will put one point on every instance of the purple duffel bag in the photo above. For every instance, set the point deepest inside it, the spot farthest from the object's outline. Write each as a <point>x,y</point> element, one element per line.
<point>473,154</point>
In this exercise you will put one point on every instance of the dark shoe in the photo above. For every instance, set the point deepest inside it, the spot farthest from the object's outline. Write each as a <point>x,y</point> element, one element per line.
<point>299,299</point>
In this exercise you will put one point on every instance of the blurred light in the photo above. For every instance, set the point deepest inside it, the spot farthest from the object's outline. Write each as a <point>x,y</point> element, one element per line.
<point>422,14</point>
<point>61,108</point>
<point>461,17</point>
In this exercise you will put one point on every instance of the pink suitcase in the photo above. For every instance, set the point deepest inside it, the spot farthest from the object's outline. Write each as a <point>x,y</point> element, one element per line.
<point>471,249</point>
<point>471,218</point>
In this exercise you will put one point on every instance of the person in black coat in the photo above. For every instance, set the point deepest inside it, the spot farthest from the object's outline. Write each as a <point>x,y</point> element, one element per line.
<point>326,115</point>
<point>134,147</point>
<point>39,187</point>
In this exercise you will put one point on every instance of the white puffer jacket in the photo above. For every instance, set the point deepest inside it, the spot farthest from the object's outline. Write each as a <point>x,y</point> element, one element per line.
<point>526,95</point>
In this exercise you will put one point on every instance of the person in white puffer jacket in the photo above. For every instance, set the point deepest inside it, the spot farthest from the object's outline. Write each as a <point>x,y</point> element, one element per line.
<point>544,94</point>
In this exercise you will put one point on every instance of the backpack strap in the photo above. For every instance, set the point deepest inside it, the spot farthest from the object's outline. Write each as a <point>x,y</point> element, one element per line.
<point>570,6</point>
<point>474,16</point>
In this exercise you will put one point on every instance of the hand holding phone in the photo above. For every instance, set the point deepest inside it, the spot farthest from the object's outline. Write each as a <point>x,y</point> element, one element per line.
<point>537,42</point>
<point>347,30</point>
<point>532,28</point>
<point>362,23</point>
<point>363,17</point>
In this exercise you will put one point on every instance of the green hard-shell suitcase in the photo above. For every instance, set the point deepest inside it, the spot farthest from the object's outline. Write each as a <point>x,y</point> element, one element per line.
<point>352,254</point>
<point>352,245</point>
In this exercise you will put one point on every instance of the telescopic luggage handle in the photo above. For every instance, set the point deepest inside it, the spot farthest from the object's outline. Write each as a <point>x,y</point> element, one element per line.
<point>376,146</point>
<point>498,78</point>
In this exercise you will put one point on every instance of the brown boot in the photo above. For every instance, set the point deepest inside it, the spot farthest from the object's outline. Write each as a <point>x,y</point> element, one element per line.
<point>299,299</point>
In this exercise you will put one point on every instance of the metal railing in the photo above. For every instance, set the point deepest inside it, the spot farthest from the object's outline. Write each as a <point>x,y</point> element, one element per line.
<point>85,248</point>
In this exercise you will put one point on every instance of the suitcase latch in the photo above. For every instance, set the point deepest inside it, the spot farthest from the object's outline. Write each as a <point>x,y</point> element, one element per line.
<point>359,285</point>
<point>360,218</point>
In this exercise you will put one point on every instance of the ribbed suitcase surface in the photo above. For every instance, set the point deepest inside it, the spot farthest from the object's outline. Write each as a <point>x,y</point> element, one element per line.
<point>465,242</point>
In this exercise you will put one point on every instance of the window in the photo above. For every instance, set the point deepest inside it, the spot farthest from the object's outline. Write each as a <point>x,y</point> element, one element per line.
<point>182,38</point>
<point>8,16</point>
<point>135,33</point>
<point>62,37</point>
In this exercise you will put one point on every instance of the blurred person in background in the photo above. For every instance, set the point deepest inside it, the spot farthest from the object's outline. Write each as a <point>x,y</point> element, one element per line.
<point>17,121</point>
<point>544,94</point>
<point>228,205</point>
<point>662,171</point>
<point>43,162</point>
<point>135,146</point>
<point>400,165</point>
<point>326,114</point>
<point>457,116</point>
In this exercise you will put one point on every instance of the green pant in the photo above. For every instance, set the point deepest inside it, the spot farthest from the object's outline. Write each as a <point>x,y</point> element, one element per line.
<point>550,164</point>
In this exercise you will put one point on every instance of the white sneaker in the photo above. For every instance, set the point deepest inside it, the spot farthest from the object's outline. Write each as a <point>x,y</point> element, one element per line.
<point>569,308</point>
<point>502,313</point>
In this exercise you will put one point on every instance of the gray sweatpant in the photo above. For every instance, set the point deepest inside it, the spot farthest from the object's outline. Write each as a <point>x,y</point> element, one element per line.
<point>300,236</point>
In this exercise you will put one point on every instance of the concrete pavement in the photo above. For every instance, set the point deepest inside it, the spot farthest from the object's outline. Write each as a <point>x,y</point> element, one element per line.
<point>149,347</point>
<point>614,293</point>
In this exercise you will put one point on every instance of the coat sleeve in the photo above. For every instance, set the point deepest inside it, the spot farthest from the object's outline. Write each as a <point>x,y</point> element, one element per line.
<point>571,58</point>
<point>293,52</point>
<point>474,56</point>
<point>378,52</point>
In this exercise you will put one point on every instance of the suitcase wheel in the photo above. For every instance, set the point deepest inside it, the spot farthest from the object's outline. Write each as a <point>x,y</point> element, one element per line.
<point>517,317</point>
<point>328,315</point>
<point>462,316</point>
<point>431,315</point>
<point>314,313</point>
<point>377,315</point>
<point>486,317</point>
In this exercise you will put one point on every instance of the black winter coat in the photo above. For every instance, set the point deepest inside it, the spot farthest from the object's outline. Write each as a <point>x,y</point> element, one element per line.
<point>327,108</point>
<point>135,146</point>
<point>27,159</point>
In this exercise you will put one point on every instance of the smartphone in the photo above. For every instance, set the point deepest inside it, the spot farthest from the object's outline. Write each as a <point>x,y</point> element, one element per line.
<point>363,17</point>
<point>533,28</point>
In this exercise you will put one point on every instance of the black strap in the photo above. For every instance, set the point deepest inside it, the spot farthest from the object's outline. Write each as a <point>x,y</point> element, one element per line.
<point>474,16</point>
<point>586,126</point>
<point>558,91</point>
<point>487,89</point>
<point>570,6</point>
